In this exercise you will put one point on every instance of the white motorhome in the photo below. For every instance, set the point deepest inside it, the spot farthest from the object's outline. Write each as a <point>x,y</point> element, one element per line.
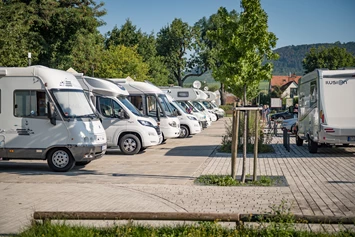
<point>45,115</point>
<point>210,103</point>
<point>326,112</point>
<point>152,101</point>
<point>125,126</point>
<point>190,109</point>
<point>191,95</point>
<point>189,124</point>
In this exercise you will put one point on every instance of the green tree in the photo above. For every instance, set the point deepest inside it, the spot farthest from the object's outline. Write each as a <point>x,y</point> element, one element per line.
<point>86,54</point>
<point>331,58</point>
<point>173,43</point>
<point>129,36</point>
<point>16,38</point>
<point>205,50</point>
<point>120,62</point>
<point>51,27</point>
<point>245,43</point>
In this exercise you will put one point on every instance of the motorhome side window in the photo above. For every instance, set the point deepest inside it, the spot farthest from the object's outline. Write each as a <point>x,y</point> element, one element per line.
<point>183,94</point>
<point>30,103</point>
<point>313,93</point>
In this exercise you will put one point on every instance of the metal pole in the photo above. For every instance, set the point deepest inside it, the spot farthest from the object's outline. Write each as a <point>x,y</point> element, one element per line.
<point>29,58</point>
<point>256,143</point>
<point>234,139</point>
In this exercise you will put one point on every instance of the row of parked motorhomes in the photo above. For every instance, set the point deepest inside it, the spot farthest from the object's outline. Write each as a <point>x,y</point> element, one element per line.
<point>68,118</point>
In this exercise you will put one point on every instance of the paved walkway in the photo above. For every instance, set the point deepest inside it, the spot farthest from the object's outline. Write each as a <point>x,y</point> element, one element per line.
<point>161,179</point>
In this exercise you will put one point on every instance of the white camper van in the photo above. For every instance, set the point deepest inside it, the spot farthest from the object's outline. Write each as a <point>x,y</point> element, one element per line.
<point>125,126</point>
<point>210,103</point>
<point>190,109</point>
<point>189,95</point>
<point>189,124</point>
<point>152,101</point>
<point>326,112</point>
<point>45,115</point>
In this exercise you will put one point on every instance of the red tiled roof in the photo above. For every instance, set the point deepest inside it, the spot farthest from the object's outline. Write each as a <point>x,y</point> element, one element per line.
<point>282,80</point>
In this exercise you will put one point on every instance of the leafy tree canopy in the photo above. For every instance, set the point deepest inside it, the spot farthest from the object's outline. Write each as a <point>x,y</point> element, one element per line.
<point>173,43</point>
<point>47,29</point>
<point>120,62</point>
<point>331,58</point>
<point>129,36</point>
<point>245,43</point>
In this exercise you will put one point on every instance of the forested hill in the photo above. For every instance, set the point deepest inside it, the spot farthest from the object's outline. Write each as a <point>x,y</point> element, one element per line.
<point>290,60</point>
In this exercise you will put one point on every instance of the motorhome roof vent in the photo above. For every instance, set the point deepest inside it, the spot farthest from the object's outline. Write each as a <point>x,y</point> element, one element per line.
<point>118,80</point>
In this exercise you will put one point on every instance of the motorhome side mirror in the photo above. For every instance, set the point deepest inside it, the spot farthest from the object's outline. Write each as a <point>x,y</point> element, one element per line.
<point>176,112</point>
<point>51,113</point>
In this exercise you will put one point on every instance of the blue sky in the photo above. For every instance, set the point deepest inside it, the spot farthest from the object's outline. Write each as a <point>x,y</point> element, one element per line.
<point>294,22</point>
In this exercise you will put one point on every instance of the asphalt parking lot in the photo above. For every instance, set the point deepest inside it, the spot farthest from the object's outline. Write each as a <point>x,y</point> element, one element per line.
<point>162,179</point>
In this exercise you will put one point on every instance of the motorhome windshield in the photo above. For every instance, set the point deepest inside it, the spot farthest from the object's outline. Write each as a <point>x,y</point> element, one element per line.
<point>73,103</point>
<point>130,106</point>
<point>179,106</point>
<point>198,105</point>
<point>207,104</point>
<point>169,110</point>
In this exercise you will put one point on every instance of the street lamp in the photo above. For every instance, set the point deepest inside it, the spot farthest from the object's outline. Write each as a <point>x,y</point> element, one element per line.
<point>29,58</point>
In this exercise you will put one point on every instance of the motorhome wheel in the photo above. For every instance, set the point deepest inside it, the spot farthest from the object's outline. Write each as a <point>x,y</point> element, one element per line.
<point>130,144</point>
<point>184,131</point>
<point>60,160</point>
<point>312,146</point>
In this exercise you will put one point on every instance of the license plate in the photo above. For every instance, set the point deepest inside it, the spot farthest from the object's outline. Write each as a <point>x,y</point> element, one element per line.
<point>351,139</point>
<point>104,147</point>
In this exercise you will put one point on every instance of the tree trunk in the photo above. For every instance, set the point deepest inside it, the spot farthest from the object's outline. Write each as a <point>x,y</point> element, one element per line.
<point>245,142</point>
<point>221,92</point>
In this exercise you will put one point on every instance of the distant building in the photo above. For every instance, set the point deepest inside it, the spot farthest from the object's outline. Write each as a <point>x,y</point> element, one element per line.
<point>287,84</point>
<point>282,80</point>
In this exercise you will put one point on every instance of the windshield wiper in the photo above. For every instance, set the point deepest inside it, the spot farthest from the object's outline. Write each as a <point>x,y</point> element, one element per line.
<point>92,116</point>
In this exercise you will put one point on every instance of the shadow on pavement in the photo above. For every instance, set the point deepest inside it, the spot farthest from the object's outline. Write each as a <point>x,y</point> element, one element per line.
<point>191,151</point>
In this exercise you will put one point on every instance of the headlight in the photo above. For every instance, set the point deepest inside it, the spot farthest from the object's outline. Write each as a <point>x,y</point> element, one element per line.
<point>192,118</point>
<point>145,123</point>
<point>172,124</point>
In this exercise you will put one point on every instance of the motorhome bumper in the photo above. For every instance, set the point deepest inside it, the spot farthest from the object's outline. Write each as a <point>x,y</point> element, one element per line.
<point>88,153</point>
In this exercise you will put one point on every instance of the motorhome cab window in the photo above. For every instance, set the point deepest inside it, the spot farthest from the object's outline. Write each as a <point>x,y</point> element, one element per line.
<point>109,108</point>
<point>30,103</point>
